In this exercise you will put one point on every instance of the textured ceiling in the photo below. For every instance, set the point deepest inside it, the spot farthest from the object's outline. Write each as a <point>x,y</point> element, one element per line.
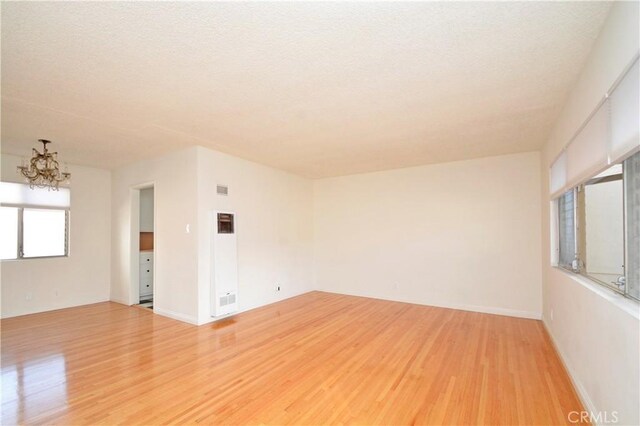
<point>318,89</point>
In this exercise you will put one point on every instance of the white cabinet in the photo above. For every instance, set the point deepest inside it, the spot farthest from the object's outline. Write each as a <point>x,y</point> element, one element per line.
<point>146,274</point>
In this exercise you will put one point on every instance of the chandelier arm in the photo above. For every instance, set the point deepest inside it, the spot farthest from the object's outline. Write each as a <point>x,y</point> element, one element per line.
<point>30,172</point>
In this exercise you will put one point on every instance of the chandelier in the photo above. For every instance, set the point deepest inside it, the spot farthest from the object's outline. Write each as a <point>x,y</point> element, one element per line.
<point>43,171</point>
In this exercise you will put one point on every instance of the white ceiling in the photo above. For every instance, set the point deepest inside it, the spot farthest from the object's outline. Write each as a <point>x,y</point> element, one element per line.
<point>318,89</point>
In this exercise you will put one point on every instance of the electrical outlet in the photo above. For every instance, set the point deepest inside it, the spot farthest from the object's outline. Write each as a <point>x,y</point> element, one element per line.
<point>551,314</point>
<point>278,288</point>
<point>29,296</point>
<point>396,286</point>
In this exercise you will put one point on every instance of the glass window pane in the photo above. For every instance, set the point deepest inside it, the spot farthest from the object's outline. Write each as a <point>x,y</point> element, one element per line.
<point>566,229</point>
<point>44,232</point>
<point>632,201</point>
<point>9,232</point>
<point>604,228</point>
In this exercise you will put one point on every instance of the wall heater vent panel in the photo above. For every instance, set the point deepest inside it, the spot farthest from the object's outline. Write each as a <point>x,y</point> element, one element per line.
<point>224,273</point>
<point>227,299</point>
<point>222,190</point>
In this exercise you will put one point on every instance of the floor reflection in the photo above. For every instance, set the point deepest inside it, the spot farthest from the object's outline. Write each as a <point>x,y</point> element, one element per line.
<point>44,380</point>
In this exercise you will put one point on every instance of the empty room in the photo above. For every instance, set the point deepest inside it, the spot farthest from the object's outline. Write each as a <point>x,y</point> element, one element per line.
<point>310,213</point>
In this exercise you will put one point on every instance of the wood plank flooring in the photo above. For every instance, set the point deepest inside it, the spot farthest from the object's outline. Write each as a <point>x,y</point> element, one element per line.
<point>318,358</point>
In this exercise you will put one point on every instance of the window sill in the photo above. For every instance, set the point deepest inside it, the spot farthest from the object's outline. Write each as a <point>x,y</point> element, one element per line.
<point>64,256</point>
<point>628,305</point>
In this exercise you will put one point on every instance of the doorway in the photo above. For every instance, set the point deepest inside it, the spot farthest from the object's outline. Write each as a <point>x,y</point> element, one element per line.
<point>143,246</point>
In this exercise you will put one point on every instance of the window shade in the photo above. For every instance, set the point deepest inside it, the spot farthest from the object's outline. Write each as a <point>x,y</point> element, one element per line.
<point>611,134</point>
<point>587,153</point>
<point>625,113</point>
<point>632,206</point>
<point>558,174</point>
<point>19,194</point>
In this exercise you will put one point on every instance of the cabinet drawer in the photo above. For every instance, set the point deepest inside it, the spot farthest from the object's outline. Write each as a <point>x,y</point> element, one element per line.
<point>146,258</point>
<point>146,270</point>
<point>146,286</point>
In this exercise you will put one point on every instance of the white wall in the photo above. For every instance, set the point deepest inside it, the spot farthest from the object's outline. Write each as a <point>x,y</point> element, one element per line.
<point>462,235</point>
<point>273,223</point>
<point>175,249</point>
<point>146,210</point>
<point>79,279</point>
<point>595,331</point>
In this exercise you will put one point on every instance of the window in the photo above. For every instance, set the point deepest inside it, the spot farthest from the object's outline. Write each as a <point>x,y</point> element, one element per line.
<point>632,224</point>
<point>598,227</point>
<point>33,233</point>
<point>567,230</point>
<point>44,233</point>
<point>602,230</point>
<point>596,217</point>
<point>34,223</point>
<point>9,232</point>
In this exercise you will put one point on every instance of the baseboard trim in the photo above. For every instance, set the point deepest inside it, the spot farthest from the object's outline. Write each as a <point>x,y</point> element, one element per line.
<point>3,315</point>
<point>577,384</point>
<point>461,307</point>
<point>175,315</point>
<point>210,319</point>
<point>494,310</point>
<point>120,301</point>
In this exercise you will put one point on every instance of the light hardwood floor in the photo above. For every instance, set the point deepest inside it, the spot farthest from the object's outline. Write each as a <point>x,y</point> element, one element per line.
<point>314,359</point>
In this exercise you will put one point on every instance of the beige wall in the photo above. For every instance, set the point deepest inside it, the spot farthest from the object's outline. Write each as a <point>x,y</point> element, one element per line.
<point>462,235</point>
<point>274,227</point>
<point>36,285</point>
<point>596,331</point>
<point>175,249</point>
